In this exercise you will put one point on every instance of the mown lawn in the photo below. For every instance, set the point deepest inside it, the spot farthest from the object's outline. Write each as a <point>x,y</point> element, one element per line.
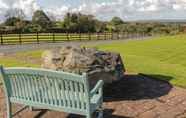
<point>162,58</point>
<point>24,59</point>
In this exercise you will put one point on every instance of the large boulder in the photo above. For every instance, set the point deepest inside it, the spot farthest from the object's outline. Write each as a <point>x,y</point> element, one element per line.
<point>107,66</point>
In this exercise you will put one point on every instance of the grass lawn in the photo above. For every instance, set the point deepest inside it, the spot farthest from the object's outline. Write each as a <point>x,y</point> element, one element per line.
<point>24,59</point>
<point>163,58</point>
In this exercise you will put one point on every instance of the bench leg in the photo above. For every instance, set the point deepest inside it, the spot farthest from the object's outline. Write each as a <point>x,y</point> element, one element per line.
<point>30,108</point>
<point>88,116</point>
<point>9,110</point>
<point>100,115</point>
<point>100,112</point>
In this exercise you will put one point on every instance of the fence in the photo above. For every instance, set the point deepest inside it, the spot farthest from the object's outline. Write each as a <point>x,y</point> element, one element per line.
<point>58,37</point>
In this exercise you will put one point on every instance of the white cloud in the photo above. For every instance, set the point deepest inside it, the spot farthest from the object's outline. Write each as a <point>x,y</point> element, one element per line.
<point>28,6</point>
<point>3,5</point>
<point>58,13</point>
<point>104,9</point>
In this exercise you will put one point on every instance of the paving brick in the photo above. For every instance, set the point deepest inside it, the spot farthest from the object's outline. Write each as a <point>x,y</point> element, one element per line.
<point>134,97</point>
<point>148,114</point>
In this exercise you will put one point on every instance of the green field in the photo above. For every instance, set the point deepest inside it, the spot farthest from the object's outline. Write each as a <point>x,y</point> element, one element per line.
<point>162,58</point>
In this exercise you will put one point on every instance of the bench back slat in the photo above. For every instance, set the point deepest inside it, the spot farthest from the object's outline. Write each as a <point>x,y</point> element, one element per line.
<point>47,87</point>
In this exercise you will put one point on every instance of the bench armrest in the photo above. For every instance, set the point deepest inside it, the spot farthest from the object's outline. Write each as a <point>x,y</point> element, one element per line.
<point>97,89</point>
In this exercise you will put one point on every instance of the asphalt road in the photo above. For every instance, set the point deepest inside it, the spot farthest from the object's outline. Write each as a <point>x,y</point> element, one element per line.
<point>27,47</point>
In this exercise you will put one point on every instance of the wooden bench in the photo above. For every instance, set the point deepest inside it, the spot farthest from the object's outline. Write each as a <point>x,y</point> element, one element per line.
<point>53,90</point>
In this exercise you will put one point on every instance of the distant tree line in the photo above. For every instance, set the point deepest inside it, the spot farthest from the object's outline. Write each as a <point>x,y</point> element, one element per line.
<point>76,22</point>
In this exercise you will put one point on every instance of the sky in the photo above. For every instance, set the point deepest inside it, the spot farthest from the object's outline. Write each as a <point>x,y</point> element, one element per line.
<point>102,9</point>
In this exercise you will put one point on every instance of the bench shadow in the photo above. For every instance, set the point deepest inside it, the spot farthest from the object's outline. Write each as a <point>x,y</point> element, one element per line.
<point>137,87</point>
<point>41,113</point>
<point>131,87</point>
<point>108,113</point>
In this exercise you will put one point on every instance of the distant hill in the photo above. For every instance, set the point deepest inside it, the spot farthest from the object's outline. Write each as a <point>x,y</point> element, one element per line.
<point>162,21</point>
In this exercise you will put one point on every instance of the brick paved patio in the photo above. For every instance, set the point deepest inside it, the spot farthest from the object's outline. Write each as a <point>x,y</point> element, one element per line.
<point>134,96</point>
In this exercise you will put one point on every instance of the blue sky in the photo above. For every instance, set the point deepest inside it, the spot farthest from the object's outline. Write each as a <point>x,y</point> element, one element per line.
<point>102,9</point>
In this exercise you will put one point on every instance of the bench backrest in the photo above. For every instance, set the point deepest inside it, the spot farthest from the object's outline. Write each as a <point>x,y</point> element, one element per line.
<point>46,87</point>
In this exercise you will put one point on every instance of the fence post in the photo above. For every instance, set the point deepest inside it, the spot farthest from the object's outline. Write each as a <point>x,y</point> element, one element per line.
<point>20,40</point>
<point>89,36</point>
<point>37,37</point>
<point>129,35</point>
<point>1,39</point>
<point>123,35</point>
<point>118,35</point>
<point>112,37</point>
<point>105,35</point>
<point>97,34</point>
<point>143,35</point>
<point>80,36</point>
<point>53,37</point>
<point>67,34</point>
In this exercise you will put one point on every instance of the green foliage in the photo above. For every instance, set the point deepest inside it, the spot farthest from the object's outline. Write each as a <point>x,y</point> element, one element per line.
<point>150,28</point>
<point>12,21</point>
<point>15,23</point>
<point>100,26</point>
<point>116,21</point>
<point>32,28</point>
<point>41,19</point>
<point>77,22</point>
<point>86,23</point>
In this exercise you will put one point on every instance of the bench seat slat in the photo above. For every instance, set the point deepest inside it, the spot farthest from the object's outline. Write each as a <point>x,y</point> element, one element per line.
<point>63,93</point>
<point>54,90</point>
<point>82,96</point>
<point>67,93</point>
<point>77,96</point>
<point>18,87</point>
<point>58,96</point>
<point>72,95</point>
<point>23,86</point>
<point>36,88</point>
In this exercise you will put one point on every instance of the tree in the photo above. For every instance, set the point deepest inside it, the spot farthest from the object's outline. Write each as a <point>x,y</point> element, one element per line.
<point>51,16</point>
<point>32,28</point>
<point>116,21</point>
<point>41,19</point>
<point>15,12</point>
<point>100,26</point>
<point>77,22</point>
<point>12,21</point>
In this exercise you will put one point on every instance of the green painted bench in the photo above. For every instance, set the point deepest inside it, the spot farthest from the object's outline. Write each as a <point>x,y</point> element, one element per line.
<point>53,90</point>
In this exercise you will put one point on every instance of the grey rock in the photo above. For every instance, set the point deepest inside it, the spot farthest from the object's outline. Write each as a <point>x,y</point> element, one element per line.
<point>107,66</point>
